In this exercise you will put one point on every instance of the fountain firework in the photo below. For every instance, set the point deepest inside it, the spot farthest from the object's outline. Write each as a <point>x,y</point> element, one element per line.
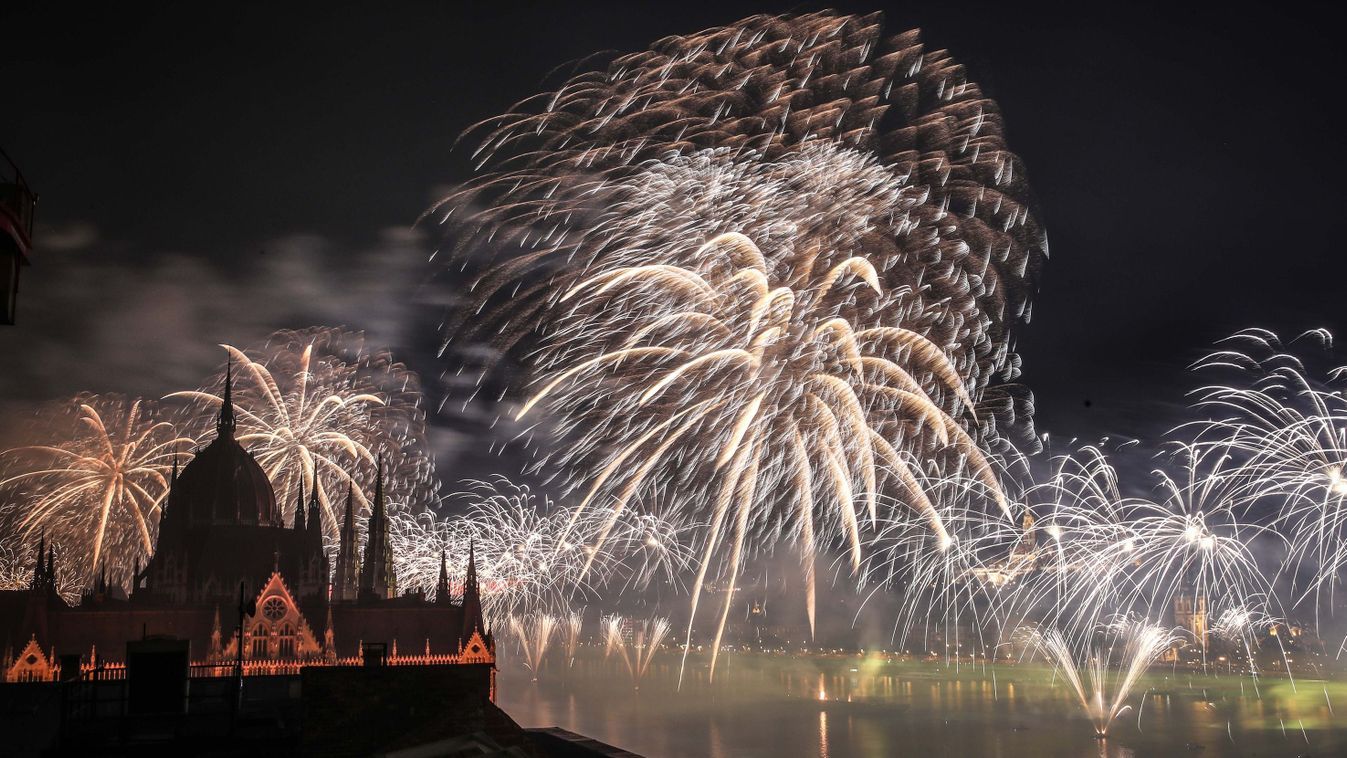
<point>772,267</point>
<point>1141,644</point>
<point>960,582</point>
<point>533,632</point>
<point>570,630</point>
<point>96,486</point>
<point>639,651</point>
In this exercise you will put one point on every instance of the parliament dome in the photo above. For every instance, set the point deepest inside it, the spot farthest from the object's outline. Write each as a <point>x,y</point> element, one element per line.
<point>223,483</point>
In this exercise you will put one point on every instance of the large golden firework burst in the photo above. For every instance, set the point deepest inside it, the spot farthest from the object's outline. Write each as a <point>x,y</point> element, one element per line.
<point>770,267</point>
<point>95,488</point>
<point>318,410</point>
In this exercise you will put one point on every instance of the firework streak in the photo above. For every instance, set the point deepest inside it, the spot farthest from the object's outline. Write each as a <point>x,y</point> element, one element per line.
<point>634,641</point>
<point>771,267</point>
<point>96,489</point>
<point>316,410</point>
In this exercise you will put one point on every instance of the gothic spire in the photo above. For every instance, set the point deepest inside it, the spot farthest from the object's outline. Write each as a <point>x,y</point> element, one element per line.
<point>472,599</point>
<point>442,585</point>
<point>377,577</point>
<point>37,567</point>
<point>226,423</point>
<point>346,582</point>
<point>379,485</point>
<point>299,507</point>
<point>315,517</point>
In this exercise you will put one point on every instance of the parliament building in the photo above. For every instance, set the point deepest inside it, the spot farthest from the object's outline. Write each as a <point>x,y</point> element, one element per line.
<point>227,551</point>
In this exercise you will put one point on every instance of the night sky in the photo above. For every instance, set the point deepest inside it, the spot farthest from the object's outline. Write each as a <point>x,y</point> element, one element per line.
<point>212,178</point>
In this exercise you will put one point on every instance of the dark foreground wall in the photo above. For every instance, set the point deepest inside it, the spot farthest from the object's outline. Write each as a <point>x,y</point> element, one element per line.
<point>372,709</point>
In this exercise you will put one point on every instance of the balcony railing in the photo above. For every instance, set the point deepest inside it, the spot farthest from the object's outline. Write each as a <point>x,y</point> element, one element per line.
<point>17,202</point>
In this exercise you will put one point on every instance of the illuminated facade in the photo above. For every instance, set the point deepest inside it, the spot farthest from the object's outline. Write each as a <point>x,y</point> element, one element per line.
<point>1190,612</point>
<point>224,545</point>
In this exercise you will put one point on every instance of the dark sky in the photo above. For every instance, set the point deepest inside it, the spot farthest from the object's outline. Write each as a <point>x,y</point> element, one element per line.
<point>208,178</point>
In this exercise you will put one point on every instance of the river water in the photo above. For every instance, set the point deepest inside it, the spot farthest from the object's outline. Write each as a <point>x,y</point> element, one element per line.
<point>778,705</point>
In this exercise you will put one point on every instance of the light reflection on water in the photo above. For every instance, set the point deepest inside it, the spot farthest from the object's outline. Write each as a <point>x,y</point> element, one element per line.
<point>763,705</point>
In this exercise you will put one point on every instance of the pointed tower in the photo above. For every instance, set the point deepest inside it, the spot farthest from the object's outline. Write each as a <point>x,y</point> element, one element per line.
<point>216,640</point>
<point>442,584</point>
<point>329,639</point>
<point>377,578</point>
<point>346,581</point>
<point>298,523</point>
<point>39,577</point>
<point>168,516</point>
<point>315,523</point>
<point>226,424</point>
<point>315,558</point>
<point>472,600</point>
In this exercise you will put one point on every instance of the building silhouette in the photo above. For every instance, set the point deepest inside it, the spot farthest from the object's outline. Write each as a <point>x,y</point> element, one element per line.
<point>226,546</point>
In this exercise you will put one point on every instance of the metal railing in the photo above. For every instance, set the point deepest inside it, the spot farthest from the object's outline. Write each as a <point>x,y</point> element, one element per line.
<point>17,200</point>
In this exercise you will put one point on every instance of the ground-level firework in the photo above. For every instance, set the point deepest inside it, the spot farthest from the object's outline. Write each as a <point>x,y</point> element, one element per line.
<point>1130,645</point>
<point>533,633</point>
<point>771,268</point>
<point>634,642</point>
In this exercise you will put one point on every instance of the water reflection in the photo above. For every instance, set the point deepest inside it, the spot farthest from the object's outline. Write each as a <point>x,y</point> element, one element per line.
<point>762,705</point>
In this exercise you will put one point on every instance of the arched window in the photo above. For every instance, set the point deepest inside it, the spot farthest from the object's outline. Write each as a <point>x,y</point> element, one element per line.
<point>287,642</point>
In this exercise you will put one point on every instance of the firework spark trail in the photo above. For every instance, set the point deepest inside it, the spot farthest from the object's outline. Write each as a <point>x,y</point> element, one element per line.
<point>1142,644</point>
<point>1194,540</point>
<point>771,267</point>
<point>317,410</point>
<point>1289,431</point>
<point>534,633</point>
<point>16,572</point>
<point>571,627</point>
<point>1242,626</point>
<point>646,637</point>
<point>531,553</point>
<point>97,487</point>
<point>946,584</point>
<point>1097,552</point>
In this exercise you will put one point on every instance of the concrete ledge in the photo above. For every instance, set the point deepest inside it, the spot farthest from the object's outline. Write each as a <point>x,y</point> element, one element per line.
<point>556,742</point>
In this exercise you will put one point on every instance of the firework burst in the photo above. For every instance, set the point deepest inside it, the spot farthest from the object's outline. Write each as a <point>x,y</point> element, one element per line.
<point>771,267</point>
<point>97,486</point>
<point>952,582</point>
<point>317,410</point>
<point>16,572</point>
<point>1289,433</point>
<point>531,553</point>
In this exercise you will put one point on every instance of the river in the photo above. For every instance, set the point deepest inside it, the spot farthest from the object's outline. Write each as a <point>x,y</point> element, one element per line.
<point>833,706</point>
